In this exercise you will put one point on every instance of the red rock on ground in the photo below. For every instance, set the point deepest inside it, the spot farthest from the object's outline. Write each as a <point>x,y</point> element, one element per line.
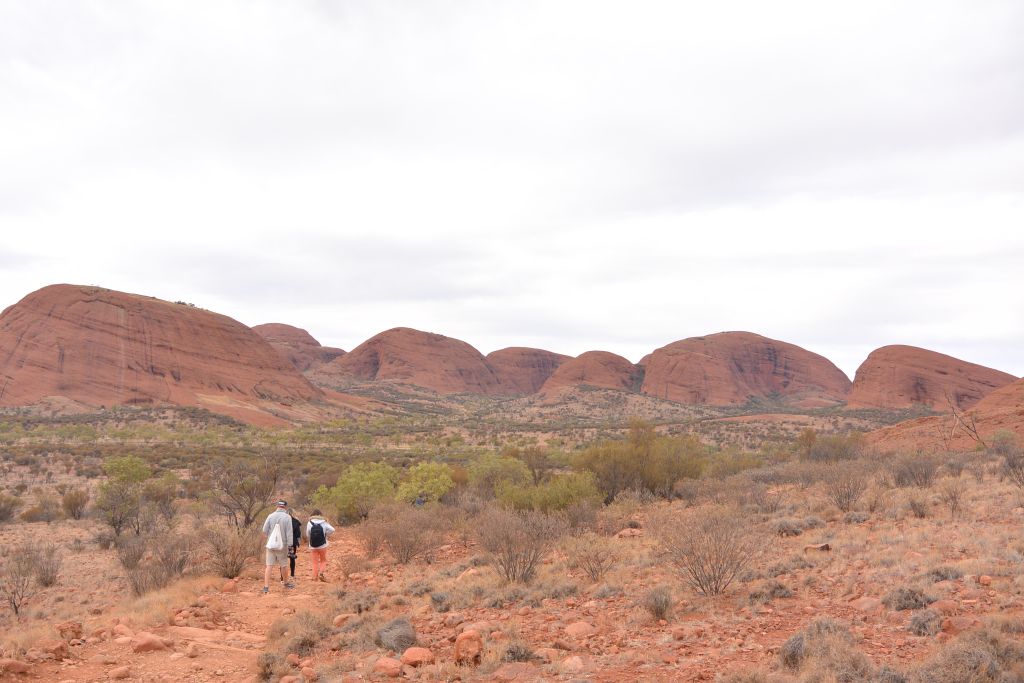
<point>522,370</point>
<point>599,369</point>
<point>729,368</point>
<point>417,656</point>
<point>905,376</point>
<point>104,348</point>
<point>423,359</point>
<point>297,345</point>
<point>469,647</point>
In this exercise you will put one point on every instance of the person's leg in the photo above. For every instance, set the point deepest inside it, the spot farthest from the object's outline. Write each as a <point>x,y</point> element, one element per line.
<point>291,564</point>
<point>323,564</point>
<point>314,557</point>
<point>267,571</point>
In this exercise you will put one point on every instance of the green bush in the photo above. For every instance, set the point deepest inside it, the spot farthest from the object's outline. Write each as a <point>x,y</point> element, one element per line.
<point>489,473</point>
<point>431,479</point>
<point>558,493</point>
<point>360,487</point>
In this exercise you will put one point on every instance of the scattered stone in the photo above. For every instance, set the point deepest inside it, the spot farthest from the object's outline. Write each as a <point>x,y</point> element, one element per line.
<point>945,607</point>
<point>122,630</point>
<point>469,647</point>
<point>630,533</point>
<point>58,649</point>
<point>820,547</point>
<point>388,666</point>
<point>343,619</point>
<point>574,664</point>
<point>13,666</point>
<point>417,656</point>
<point>580,629</point>
<point>867,604</point>
<point>70,630</point>
<point>147,642</point>
<point>516,672</point>
<point>120,672</point>
<point>956,625</point>
<point>984,580</point>
<point>308,673</point>
<point>229,587</point>
<point>292,659</point>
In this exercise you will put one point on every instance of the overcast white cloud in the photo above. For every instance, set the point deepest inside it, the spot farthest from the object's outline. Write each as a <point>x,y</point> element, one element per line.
<point>569,175</point>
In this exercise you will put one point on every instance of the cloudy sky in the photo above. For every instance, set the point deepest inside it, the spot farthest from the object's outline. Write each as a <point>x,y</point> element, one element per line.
<point>567,175</point>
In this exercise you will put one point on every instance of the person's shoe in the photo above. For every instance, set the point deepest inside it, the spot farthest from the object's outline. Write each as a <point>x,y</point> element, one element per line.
<point>266,589</point>
<point>321,577</point>
<point>289,585</point>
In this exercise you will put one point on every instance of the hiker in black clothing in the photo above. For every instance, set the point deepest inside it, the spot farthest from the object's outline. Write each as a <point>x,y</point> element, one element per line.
<point>293,550</point>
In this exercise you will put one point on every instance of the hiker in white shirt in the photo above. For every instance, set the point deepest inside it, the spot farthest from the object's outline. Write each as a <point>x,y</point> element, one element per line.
<point>277,530</point>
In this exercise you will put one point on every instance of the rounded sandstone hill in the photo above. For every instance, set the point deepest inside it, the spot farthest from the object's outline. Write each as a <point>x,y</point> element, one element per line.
<point>1000,411</point>
<point>297,345</point>
<point>730,368</point>
<point>423,359</point>
<point>102,348</point>
<point>523,370</point>
<point>905,376</point>
<point>599,369</point>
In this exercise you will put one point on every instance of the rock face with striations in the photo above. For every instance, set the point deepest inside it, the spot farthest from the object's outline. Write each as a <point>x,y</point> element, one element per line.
<point>905,376</point>
<point>102,348</point>
<point>406,356</point>
<point>730,368</point>
<point>297,345</point>
<point>599,369</point>
<point>522,370</point>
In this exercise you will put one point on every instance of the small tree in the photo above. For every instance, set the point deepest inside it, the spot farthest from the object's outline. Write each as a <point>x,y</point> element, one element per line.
<point>161,493</point>
<point>17,577</point>
<point>845,484</point>
<point>536,460</point>
<point>119,504</point>
<point>243,489</point>
<point>711,547</point>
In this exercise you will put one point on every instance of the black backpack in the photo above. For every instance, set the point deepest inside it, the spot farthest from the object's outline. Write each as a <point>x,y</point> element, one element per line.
<point>317,537</point>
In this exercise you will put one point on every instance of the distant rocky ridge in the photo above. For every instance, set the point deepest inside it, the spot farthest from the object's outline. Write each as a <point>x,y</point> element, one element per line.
<point>297,345</point>
<point>99,347</point>
<point>905,376</point>
<point>102,348</point>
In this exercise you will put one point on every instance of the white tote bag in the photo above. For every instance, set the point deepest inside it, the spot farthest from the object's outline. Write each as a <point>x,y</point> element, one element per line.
<point>275,542</point>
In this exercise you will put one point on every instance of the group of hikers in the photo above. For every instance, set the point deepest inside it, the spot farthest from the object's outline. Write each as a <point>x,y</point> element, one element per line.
<point>284,533</point>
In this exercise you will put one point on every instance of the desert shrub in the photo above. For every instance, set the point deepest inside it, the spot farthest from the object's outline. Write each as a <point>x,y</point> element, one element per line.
<point>161,494</point>
<point>517,541</point>
<point>48,562</point>
<point>18,576</point>
<point>824,651</point>
<point>594,555</point>
<point>557,493</point>
<point>270,666</point>
<point>536,459</point>
<point>658,602</point>
<point>918,506</point>
<point>943,573</point>
<point>766,500</point>
<point>642,461</point>
<point>429,480</point>
<point>8,507</point>
<point>1013,467</point>
<point>855,517</point>
<point>787,527</point>
<point>407,532</point>
<point>517,651</point>
<point>488,473</point>
<point>952,492</point>
<point>104,539</point>
<point>887,675</point>
<point>812,522</point>
<point>305,632</point>
<point>834,448</point>
<point>130,552</point>
<point>925,622</point>
<point>710,547</point>
<point>229,547</point>
<point>173,555</point>
<point>241,488</point>
<point>983,656</point>
<point>74,503</point>
<point>745,677</point>
<point>441,602</point>
<point>845,484</point>
<point>370,533</point>
<point>396,635</point>
<point>358,601</point>
<point>768,591</point>
<point>1003,442</point>
<point>731,462</point>
<point>904,598</point>
<point>789,566</point>
<point>359,488</point>
<point>915,470</point>
<point>581,517</point>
